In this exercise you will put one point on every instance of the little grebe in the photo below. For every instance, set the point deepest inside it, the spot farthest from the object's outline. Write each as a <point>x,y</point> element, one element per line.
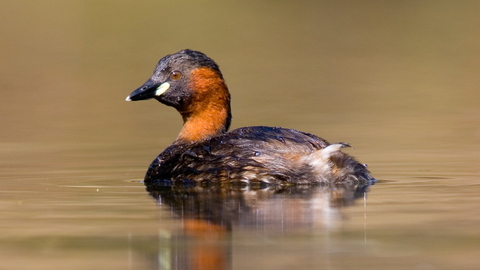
<point>205,152</point>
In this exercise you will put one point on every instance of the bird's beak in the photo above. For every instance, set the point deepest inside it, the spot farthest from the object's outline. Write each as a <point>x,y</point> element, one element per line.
<point>148,90</point>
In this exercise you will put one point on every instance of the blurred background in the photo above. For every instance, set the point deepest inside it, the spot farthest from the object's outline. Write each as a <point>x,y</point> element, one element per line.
<point>398,80</point>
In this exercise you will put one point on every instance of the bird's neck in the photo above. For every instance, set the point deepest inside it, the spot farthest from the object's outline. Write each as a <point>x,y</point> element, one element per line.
<point>208,113</point>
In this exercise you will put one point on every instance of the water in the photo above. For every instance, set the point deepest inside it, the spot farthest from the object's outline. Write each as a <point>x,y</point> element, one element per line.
<point>397,80</point>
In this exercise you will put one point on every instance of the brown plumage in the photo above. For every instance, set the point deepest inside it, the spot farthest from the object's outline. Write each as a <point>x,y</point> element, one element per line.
<point>205,152</point>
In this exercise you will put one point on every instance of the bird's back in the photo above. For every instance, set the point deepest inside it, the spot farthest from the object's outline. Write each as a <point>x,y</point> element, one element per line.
<point>253,155</point>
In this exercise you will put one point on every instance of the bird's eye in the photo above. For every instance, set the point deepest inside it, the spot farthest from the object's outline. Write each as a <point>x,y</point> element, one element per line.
<point>175,75</point>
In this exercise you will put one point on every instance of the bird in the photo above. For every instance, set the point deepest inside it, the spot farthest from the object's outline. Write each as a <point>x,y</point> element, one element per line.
<point>205,152</point>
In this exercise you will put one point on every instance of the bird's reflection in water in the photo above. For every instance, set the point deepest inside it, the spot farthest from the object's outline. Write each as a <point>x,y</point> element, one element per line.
<point>211,214</point>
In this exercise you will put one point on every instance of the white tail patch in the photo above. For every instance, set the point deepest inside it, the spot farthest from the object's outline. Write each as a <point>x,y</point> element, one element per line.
<point>327,151</point>
<point>321,161</point>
